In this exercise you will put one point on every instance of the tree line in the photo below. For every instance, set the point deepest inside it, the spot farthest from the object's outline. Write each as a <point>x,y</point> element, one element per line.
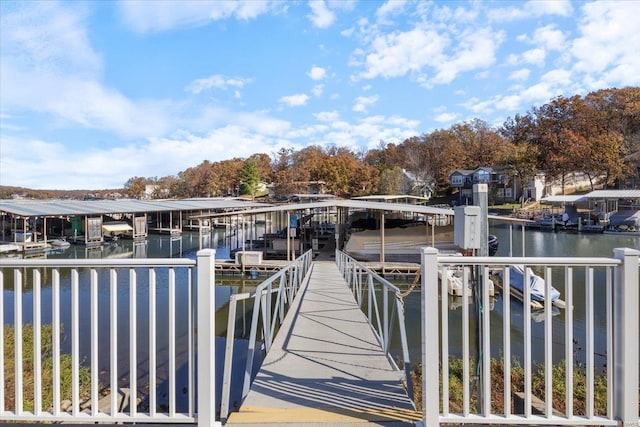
<point>597,134</point>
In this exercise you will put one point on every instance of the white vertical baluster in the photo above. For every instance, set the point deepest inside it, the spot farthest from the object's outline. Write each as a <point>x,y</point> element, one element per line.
<point>55,343</point>
<point>17,324</point>
<point>486,344</point>
<point>75,343</point>
<point>506,337</point>
<point>95,345</point>
<point>172,342</point>
<point>152,342</point>
<point>548,345</point>
<point>444,313</point>
<point>568,349</point>
<point>133,343</point>
<point>589,321</point>
<point>527,342</point>
<point>465,342</point>
<point>37,342</point>
<point>113,290</point>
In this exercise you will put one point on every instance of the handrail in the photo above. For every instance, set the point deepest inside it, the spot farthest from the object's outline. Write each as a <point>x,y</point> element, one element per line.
<point>353,271</point>
<point>97,263</point>
<point>608,311</point>
<point>289,280</point>
<point>73,289</point>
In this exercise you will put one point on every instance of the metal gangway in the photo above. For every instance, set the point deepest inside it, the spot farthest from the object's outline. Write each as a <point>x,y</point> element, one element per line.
<point>330,361</point>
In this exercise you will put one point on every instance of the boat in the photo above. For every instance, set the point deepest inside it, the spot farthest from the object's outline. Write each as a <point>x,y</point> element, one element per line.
<point>59,243</point>
<point>624,222</point>
<point>536,284</point>
<point>454,278</point>
<point>115,230</point>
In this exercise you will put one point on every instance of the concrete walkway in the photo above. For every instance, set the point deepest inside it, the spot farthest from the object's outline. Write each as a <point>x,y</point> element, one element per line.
<point>325,366</point>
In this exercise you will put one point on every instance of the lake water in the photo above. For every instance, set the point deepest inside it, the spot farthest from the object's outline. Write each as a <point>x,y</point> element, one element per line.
<point>156,246</point>
<point>538,243</point>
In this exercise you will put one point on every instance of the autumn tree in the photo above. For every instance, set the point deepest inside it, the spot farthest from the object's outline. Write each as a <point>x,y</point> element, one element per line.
<point>136,186</point>
<point>483,146</point>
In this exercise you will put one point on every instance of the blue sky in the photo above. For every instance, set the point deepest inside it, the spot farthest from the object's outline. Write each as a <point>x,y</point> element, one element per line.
<point>93,93</point>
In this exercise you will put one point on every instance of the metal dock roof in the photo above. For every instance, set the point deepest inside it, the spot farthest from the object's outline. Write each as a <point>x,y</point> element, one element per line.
<point>42,208</point>
<point>614,194</point>
<point>358,204</point>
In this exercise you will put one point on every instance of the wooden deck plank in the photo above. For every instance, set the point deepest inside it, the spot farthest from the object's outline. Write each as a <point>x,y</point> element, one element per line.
<point>325,365</point>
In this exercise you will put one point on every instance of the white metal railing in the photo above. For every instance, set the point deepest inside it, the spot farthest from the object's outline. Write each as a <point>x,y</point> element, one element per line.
<point>364,282</point>
<point>608,313</point>
<point>148,323</point>
<point>269,311</point>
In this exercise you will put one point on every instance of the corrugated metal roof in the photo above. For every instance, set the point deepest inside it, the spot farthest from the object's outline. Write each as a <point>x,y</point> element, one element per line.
<point>614,194</point>
<point>41,208</point>
<point>391,197</point>
<point>359,204</point>
<point>564,199</point>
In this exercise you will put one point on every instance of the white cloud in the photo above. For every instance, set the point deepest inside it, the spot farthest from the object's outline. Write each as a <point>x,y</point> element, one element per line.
<point>362,102</point>
<point>317,90</point>
<point>476,50</point>
<point>434,56</point>
<point>557,78</point>
<point>446,117</point>
<point>216,81</point>
<point>398,53</point>
<point>296,100</point>
<point>48,66</point>
<point>149,16</point>
<point>521,74</point>
<point>391,8</point>
<point>531,9</point>
<point>535,56</point>
<point>609,42</point>
<point>327,116</point>
<point>508,102</point>
<point>550,38</point>
<point>321,16</point>
<point>317,73</point>
<point>47,37</point>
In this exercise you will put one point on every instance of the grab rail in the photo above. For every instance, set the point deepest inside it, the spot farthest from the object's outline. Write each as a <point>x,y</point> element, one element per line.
<point>354,273</point>
<point>288,280</point>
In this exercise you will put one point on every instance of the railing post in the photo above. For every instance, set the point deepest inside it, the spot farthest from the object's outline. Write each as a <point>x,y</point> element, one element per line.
<point>430,338</point>
<point>206,305</point>
<point>625,336</point>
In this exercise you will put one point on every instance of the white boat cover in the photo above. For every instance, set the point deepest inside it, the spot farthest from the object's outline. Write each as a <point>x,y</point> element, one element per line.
<point>536,283</point>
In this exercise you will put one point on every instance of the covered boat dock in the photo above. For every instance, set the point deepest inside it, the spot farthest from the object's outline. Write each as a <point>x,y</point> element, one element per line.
<point>31,224</point>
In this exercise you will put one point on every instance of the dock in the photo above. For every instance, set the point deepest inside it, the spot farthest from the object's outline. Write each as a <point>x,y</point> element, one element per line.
<point>326,366</point>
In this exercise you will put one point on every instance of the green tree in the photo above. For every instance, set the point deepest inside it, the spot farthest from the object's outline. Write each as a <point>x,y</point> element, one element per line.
<point>391,181</point>
<point>250,178</point>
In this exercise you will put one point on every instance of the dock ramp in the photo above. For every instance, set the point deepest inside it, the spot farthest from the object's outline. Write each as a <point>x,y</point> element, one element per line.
<point>325,366</point>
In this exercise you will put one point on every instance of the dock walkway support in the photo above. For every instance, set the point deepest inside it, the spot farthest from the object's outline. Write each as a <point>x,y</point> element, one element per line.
<point>326,366</point>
